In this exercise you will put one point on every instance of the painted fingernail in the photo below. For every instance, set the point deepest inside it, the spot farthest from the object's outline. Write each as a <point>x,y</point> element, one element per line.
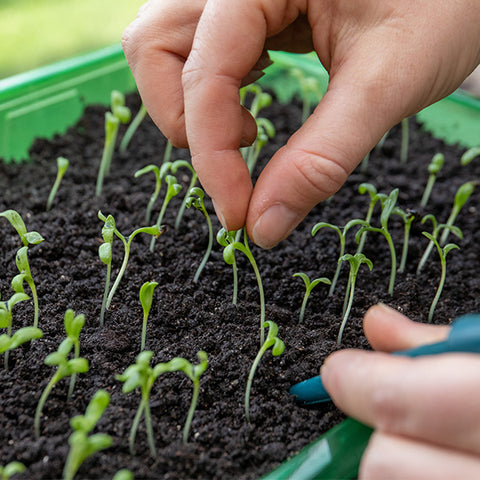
<point>219,213</point>
<point>276,223</point>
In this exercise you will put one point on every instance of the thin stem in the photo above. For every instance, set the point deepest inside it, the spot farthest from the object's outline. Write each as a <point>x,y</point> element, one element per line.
<point>144,331</point>
<point>371,206</point>
<point>405,140</point>
<point>425,256</point>
<point>208,251</point>
<point>74,375</point>
<point>235,283</point>
<point>105,294</point>
<point>181,210</point>
<point>121,272</point>
<point>168,152</point>
<point>132,128</point>
<point>439,288</point>
<point>105,161</point>
<point>159,221</point>
<point>148,423</point>
<point>393,256</point>
<point>133,430</point>
<point>33,288</point>
<point>339,267</point>
<point>304,305</point>
<point>406,236</point>
<point>347,311</point>
<point>191,411</point>
<point>41,403</point>
<point>428,190</point>
<point>250,381</point>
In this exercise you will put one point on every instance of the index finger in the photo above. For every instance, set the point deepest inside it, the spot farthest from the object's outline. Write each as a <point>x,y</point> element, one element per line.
<point>228,41</point>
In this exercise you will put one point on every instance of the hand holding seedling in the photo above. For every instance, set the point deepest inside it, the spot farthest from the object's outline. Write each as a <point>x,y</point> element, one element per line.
<point>413,437</point>
<point>386,61</point>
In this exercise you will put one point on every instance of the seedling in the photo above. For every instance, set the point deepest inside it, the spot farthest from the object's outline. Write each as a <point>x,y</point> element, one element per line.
<point>225,238</point>
<point>11,469</point>
<point>159,175</point>
<point>73,325</point>
<point>193,180</point>
<point>442,252</point>
<point>277,349</point>
<point>342,233</point>
<point>27,238</point>
<point>405,141</point>
<point>388,205</point>
<point>22,335</point>
<point>62,166</point>
<point>65,368</point>
<point>155,231</point>
<point>260,100</point>
<point>355,262</point>
<point>309,90</point>
<point>132,128</point>
<point>119,114</point>
<point>105,254</point>
<point>469,155</point>
<point>83,445</point>
<point>21,260</point>
<point>173,189</point>
<point>195,199</point>
<point>265,130</point>
<point>309,286</point>
<point>374,198</point>
<point>146,297</point>
<point>229,257</point>
<point>408,217</point>
<point>435,166</point>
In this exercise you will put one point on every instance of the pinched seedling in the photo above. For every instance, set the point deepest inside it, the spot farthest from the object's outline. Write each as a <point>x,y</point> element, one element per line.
<point>27,238</point>
<point>83,445</point>
<point>105,254</point>
<point>310,91</point>
<point>193,181</point>
<point>62,166</point>
<point>195,199</point>
<point>309,286</point>
<point>408,216</point>
<point>11,469</point>
<point>229,257</point>
<point>265,131</point>
<point>225,238</point>
<point>374,198</point>
<point>146,298</point>
<point>433,168</point>
<point>355,262</point>
<point>277,345</point>
<point>132,128</point>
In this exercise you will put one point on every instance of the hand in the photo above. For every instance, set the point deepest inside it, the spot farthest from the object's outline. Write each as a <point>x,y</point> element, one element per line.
<point>387,60</point>
<point>425,410</point>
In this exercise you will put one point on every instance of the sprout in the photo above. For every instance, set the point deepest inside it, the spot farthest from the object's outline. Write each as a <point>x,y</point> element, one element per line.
<point>146,297</point>
<point>159,175</point>
<point>342,233</point>
<point>22,335</point>
<point>173,188</point>
<point>119,114</point>
<point>265,131</point>
<point>355,262</point>
<point>469,155</point>
<point>21,260</point>
<point>195,198</point>
<point>83,445</point>
<point>309,286</point>
<point>277,349</point>
<point>65,368</point>
<point>27,238</point>
<point>73,326</point>
<point>229,257</point>
<point>193,180</point>
<point>11,469</point>
<point>442,252</point>
<point>374,198</point>
<point>408,217</point>
<point>405,140</point>
<point>105,254</point>
<point>155,231</point>
<point>132,128</point>
<point>435,166</point>
<point>62,165</point>
<point>225,238</point>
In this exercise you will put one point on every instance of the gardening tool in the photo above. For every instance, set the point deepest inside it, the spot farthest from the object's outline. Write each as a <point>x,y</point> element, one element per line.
<point>326,457</point>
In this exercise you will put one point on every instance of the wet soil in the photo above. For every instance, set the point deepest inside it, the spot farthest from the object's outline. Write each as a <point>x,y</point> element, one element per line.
<point>187,317</point>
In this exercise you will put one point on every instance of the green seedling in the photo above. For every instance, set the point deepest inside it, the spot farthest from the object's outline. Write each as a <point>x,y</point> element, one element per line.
<point>408,217</point>
<point>65,368</point>
<point>355,262</point>
<point>123,474</point>
<point>342,233</point>
<point>83,445</point>
<point>73,325</point>
<point>167,152</point>
<point>11,469</point>
<point>159,175</point>
<point>193,181</point>
<point>260,100</point>
<point>374,198</point>
<point>195,199</point>
<point>277,346</point>
<point>119,114</point>
<point>309,286</point>
<point>461,197</point>
<point>132,128</point>
<point>436,229</point>
<point>173,189</point>
<point>105,254</point>
<point>27,238</point>
<point>433,168</point>
<point>310,91</point>
<point>265,131</point>
<point>388,205</point>
<point>21,260</point>
<point>22,335</point>
<point>146,298</point>
<point>155,231</point>
<point>62,166</point>
<point>6,309</point>
<point>442,252</point>
<point>229,257</point>
<point>405,141</point>
<point>469,155</point>
<point>225,238</point>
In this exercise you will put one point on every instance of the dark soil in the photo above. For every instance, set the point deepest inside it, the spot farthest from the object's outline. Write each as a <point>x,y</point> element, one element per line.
<point>188,317</point>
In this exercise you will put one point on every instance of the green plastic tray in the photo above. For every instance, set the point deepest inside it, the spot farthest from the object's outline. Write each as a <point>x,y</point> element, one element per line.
<point>46,101</point>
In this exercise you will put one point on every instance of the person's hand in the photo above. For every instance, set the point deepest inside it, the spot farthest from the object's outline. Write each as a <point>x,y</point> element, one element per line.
<point>387,60</point>
<point>425,410</point>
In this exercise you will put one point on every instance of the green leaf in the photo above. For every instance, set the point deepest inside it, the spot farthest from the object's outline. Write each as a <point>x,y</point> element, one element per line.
<point>105,253</point>
<point>78,365</point>
<point>146,295</point>
<point>25,334</point>
<point>16,221</point>
<point>13,468</point>
<point>33,238</point>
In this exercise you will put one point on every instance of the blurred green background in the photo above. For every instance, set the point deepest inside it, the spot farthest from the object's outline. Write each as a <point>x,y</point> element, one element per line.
<point>37,32</point>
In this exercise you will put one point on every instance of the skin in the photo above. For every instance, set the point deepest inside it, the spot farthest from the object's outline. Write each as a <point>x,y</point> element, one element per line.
<point>387,60</point>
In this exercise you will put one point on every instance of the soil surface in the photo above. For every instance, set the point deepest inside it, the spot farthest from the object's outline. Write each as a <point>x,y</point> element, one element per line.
<point>188,317</point>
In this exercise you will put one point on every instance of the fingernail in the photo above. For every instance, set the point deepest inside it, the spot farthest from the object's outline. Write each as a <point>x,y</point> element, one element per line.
<point>274,225</point>
<point>219,214</point>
